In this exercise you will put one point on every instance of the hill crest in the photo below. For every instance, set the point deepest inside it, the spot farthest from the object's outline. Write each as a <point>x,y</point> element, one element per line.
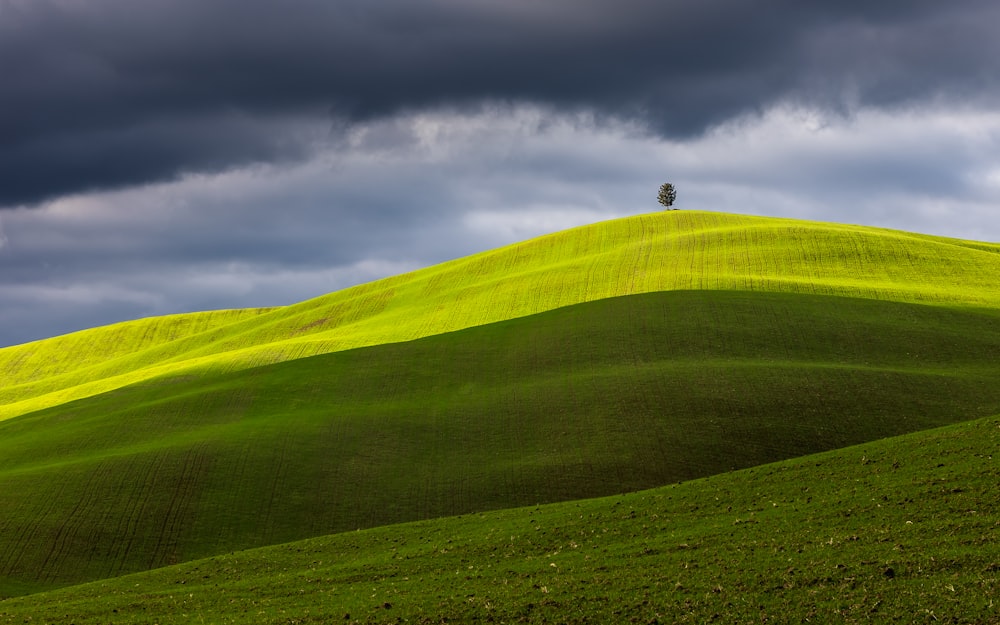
<point>664,251</point>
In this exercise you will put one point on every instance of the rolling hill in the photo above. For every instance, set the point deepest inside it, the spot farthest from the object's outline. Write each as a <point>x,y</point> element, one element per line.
<point>898,530</point>
<point>674,250</point>
<point>610,358</point>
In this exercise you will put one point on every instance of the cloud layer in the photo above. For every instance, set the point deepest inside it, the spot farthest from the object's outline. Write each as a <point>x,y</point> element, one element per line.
<point>103,94</point>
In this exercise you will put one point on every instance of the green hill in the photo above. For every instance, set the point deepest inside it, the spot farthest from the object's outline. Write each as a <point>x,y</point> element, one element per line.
<point>615,357</point>
<point>897,531</point>
<point>674,250</point>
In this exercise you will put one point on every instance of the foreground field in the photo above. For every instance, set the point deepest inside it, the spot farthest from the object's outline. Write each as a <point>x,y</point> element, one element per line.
<point>897,531</point>
<point>594,399</point>
<point>673,250</point>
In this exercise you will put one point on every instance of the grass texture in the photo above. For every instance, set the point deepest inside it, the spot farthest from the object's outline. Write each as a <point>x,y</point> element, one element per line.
<point>599,398</point>
<point>672,250</point>
<point>896,531</point>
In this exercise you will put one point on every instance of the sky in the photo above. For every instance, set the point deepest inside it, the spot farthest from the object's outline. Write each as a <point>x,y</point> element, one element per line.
<point>168,156</point>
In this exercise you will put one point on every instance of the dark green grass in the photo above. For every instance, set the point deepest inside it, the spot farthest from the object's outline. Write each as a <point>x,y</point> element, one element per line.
<point>606,397</point>
<point>901,530</point>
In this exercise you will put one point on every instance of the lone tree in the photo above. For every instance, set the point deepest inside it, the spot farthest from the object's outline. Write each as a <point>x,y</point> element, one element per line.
<point>667,195</point>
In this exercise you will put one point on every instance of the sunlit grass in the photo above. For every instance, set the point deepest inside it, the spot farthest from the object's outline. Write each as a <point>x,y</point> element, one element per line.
<point>674,250</point>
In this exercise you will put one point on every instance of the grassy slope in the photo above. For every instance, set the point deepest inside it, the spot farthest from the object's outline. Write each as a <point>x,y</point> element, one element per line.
<point>673,250</point>
<point>896,531</point>
<point>598,398</point>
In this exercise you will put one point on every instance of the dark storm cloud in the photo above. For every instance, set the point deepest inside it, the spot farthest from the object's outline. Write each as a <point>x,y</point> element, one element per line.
<point>111,93</point>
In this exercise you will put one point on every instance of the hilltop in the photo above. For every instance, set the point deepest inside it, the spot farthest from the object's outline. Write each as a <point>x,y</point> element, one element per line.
<point>667,251</point>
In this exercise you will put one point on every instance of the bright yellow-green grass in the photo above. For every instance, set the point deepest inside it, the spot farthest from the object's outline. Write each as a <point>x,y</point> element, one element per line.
<point>673,250</point>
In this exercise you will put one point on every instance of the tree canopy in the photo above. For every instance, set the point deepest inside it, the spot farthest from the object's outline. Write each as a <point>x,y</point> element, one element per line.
<point>667,195</point>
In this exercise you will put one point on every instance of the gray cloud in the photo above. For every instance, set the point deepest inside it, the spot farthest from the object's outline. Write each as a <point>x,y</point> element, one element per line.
<point>106,94</point>
<point>395,194</point>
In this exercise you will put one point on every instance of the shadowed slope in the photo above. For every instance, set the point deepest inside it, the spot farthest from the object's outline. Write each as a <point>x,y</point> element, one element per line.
<point>604,397</point>
<point>900,530</point>
<point>675,250</point>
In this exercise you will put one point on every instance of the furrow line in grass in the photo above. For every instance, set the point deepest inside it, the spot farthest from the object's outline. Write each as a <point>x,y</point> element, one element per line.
<point>234,482</point>
<point>135,512</point>
<point>49,518</point>
<point>97,345</point>
<point>69,527</point>
<point>100,549</point>
<point>517,438</point>
<point>45,511</point>
<point>15,535</point>
<point>175,518</point>
<point>129,485</point>
<point>633,271</point>
<point>279,469</point>
<point>123,526</point>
